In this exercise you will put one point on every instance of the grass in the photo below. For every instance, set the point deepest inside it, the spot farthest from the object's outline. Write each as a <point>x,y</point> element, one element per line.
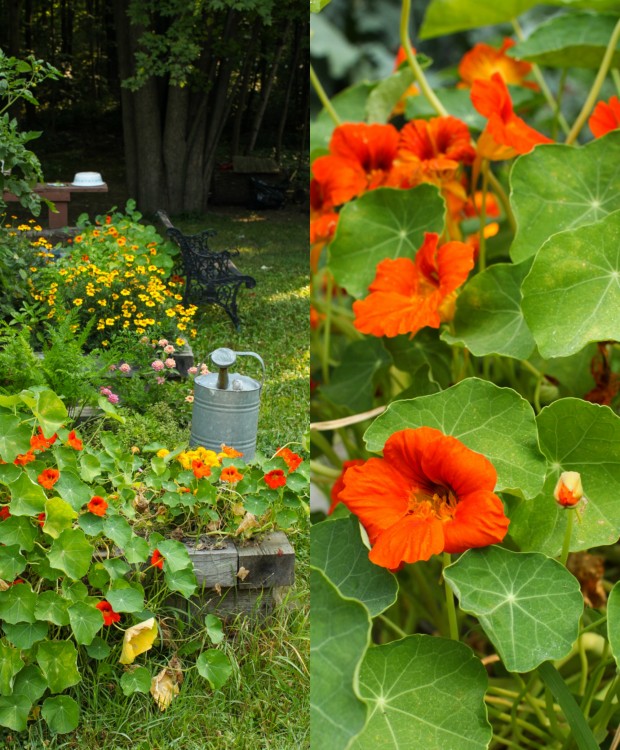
<point>264,706</point>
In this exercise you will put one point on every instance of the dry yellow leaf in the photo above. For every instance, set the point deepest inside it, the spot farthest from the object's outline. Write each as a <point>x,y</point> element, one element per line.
<point>138,639</point>
<point>164,688</point>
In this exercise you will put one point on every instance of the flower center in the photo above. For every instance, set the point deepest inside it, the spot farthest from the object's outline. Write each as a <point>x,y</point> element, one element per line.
<point>437,501</point>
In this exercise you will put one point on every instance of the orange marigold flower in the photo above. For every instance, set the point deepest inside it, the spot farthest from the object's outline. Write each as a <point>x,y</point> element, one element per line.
<point>200,469</point>
<point>505,134</point>
<point>408,295</point>
<point>275,479</point>
<point>157,560</point>
<point>109,615</point>
<point>4,512</point>
<point>428,494</point>
<point>73,441</point>
<point>338,485</point>
<point>97,505</point>
<point>230,474</point>
<point>605,117</point>
<point>435,146</point>
<point>291,459</point>
<point>482,61</point>
<point>48,478</point>
<point>360,159</point>
<point>24,458</point>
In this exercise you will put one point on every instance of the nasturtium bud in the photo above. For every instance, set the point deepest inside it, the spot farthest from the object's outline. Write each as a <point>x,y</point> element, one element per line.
<point>568,491</point>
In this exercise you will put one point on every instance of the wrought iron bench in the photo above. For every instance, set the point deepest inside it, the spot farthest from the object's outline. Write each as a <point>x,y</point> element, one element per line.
<point>210,276</point>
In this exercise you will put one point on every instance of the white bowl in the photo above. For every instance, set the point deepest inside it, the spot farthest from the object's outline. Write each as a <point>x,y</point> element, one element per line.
<point>87,179</point>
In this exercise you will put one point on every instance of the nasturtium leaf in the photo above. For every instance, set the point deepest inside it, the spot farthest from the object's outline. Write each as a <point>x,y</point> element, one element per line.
<point>59,515</point>
<point>14,437</point>
<point>338,551</point>
<point>350,106</point>
<point>25,634</point>
<point>352,382</point>
<point>61,713</point>
<point>52,607</point>
<point>136,550</point>
<point>557,187</point>
<point>14,710</point>
<point>449,16</point>
<point>74,591</point>
<point>90,467</point>
<point>215,629</point>
<point>116,567</point>
<point>66,458</point>
<point>18,530</point>
<point>118,530</point>
<point>383,223</point>
<point>575,435</point>
<point>136,681</point>
<point>423,692</point>
<point>124,597</point>
<point>71,552</point>
<point>317,5</point>
<point>11,663</point>
<point>58,662</point>
<point>613,621</point>
<point>175,554</point>
<point>12,562</point>
<point>425,350</point>
<point>215,667</point>
<point>184,581</point>
<point>27,497</point>
<point>72,489</point>
<point>457,102</point>
<point>496,422</point>
<point>573,40</point>
<point>50,411</point>
<point>339,637</point>
<point>528,604</point>
<point>98,648</point>
<point>86,621</point>
<point>17,604</point>
<point>386,94</point>
<point>571,296</point>
<point>91,524</point>
<point>488,318</point>
<point>9,473</point>
<point>30,682</point>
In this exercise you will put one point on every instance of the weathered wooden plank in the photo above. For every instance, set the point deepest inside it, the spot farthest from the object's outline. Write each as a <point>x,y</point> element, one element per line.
<point>216,567</point>
<point>268,562</point>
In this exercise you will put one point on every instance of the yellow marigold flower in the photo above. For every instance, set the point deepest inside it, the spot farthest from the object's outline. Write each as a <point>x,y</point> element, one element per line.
<point>162,453</point>
<point>130,258</point>
<point>140,330</point>
<point>114,296</point>
<point>170,313</point>
<point>150,303</point>
<point>125,292</point>
<point>180,342</point>
<point>152,268</point>
<point>109,321</point>
<point>129,274</point>
<point>33,269</point>
<point>77,302</point>
<point>102,302</point>
<point>181,326</point>
<point>105,343</point>
<point>78,239</point>
<point>91,310</point>
<point>96,233</point>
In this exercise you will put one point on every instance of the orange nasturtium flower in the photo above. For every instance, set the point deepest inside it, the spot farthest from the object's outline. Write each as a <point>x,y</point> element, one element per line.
<point>568,490</point>
<point>229,452</point>
<point>407,295</point>
<point>292,460</point>
<point>109,615</point>
<point>482,61</point>
<point>435,146</point>
<point>39,442</point>
<point>73,441</point>
<point>338,485</point>
<point>275,478</point>
<point>200,469</point>
<point>505,134</point>
<point>97,505</point>
<point>48,478</point>
<point>230,474</point>
<point>428,494</point>
<point>157,559</point>
<point>606,117</point>
<point>24,458</point>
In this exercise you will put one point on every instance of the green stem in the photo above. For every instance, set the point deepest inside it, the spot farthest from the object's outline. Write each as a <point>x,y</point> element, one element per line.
<point>596,86</point>
<point>567,535</point>
<point>450,606</point>
<point>327,328</point>
<point>414,64</point>
<point>325,446</point>
<point>482,263</point>
<point>528,726</point>
<point>398,630</point>
<point>583,660</point>
<point>428,599</point>
<point>320,92</point>
<point>498,189</point>
<point>602,717</point>
<point>594,625</point>
<point>325,471</point>
<point>615,74</point>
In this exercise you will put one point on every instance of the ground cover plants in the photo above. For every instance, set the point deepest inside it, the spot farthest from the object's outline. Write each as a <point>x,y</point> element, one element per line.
<point>465,326</point>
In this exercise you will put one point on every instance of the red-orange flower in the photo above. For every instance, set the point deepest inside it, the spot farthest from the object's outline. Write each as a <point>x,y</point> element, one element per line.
<point>230,452</point>
<point>428,494</point>
<point>338,485</point>
<point>275,478</point>
<point>408,295</point>
<point>412,90</point>
<point>505,134</point>
<point>292,460</point>
<point>200,469</point>
<point>4,512</point>
<point>230,474</point>
<point>157,559</point>
<point>73,441</point>
<point>436,146</point>
<point>24,458</point>
<point>48,478</point>
<point>41,519</point>
<point>482,61</point>
<point>97,505</point>
<point>360,159</point>
<point>605,117</point>
<point>109,615</point>
<point>39,442</point>
<point>568,490</point>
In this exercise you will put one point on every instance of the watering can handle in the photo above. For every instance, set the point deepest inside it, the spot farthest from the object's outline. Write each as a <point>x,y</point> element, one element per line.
<point>256,356</point>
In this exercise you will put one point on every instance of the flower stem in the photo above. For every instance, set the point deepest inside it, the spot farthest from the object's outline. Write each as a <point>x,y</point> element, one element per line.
<point>393,626</point>
<point>567,535</point>
<point>325,471</point>
<point>450,606</point>
<point>498,188</point>
<point>596,86</point>
<point>482,253</point>
<point>324,99</point>
<point>615,74</point>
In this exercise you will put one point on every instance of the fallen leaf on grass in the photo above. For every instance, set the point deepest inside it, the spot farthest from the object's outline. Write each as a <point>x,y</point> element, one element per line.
<point>138,639</point>
<point>243,573</point>
<point>164,688</point>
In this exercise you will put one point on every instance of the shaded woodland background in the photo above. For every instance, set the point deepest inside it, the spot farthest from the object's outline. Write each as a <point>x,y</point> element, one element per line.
<point>163,93</point>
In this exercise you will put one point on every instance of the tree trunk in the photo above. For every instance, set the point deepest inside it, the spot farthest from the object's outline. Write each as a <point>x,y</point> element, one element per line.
<point>14,22</point>
<point>175,146</point>
<point>294,63</point>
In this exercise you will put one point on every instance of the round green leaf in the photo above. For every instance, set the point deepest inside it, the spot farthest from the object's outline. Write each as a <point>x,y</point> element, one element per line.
<point>214,666</point>
<point>18,530</point>
<point>574,40</point>
<point>30,682</point>
<point>61,713</point>
<point>215,630</point>
<point>488,317</point>
<point>118,530</point>
<point>183,581</point>
<point>50,411</point>
<point>423,692</point>
<point>25,634</point>
<point>339,637</point>
<point>14,710</point>
<point>98,649</point>
<point>59,515</point>
<point>575,435</point>
<point>52,607</point>
<point>17,604</point>
<point>493,421</point>
<point>72,489</point>
<point>448,16</point>
<point>71,553</point>
<point>124,597</point>
<point>90,467</point>
<point>86,621</point>
<point>27,497</point>
<point>136,550</point>
<point>557,187</point>
<point>58,662</point>
<point>14,437</point>
<point>613,621</point>
<point>338,551</point>
<point>528,604</point>
<point>136,681</point>
<point>12,562</point>
<point>10,664</point>
<point>175,554</point>
<point>571,296</point>
<point>383,223</point>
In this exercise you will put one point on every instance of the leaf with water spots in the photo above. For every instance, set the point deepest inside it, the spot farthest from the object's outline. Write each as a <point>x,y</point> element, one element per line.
<point>571,296</point>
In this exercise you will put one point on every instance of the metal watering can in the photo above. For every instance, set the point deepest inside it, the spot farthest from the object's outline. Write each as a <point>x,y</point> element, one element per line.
<point>226,406</point>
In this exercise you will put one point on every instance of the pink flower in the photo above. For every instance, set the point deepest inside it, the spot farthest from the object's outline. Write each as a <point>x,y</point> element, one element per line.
<point>125,368</point>
<point>192,370</point>
<point>157,365</point>
<point>190,399</point>
<point>162,342</point>
<point>160,380</point>
<point>113,398</point>
<point>169,349</point>
<point>170,363</point>
<point>111,368</point>
<point>105,391</point>
<point>204,370</point>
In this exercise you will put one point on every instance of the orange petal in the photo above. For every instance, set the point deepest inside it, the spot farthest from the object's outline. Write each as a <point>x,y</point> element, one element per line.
<point>405,449</point>
<point>606,117</point>
<point>411,539</point>
<point>383,314</point>
<point>479,521</point>
<point>446,461</point>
